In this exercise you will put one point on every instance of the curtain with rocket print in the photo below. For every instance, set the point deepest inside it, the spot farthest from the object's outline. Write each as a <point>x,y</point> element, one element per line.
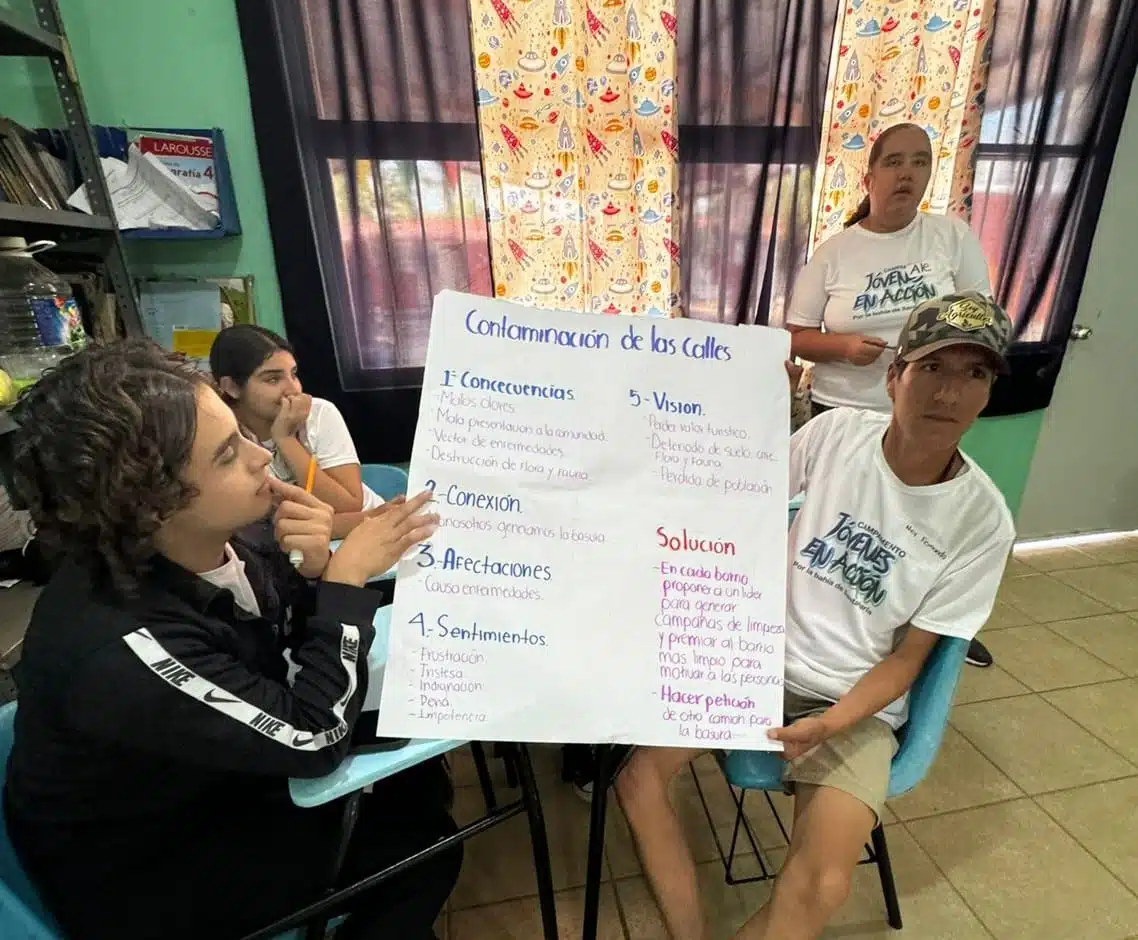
<point>576,108</point>
<point>922,62</point>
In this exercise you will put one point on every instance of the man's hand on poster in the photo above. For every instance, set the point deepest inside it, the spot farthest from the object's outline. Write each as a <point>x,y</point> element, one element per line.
<point>801,737</point>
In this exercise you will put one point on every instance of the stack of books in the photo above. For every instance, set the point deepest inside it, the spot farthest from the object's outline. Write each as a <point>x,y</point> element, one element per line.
<point>29,175</point>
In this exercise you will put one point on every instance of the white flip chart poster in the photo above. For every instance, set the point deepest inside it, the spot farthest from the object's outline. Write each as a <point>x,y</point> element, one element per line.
<point>611,560</point>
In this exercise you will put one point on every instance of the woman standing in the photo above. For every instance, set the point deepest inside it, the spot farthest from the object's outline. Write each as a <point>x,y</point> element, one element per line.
<point>852,299</point>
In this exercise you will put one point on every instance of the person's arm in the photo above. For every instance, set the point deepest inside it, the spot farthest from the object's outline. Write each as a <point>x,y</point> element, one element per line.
<point>884,683</point>
<point>343,523</point>
<point>803,446</point>
<point>958,606</point>
<point>804,321</point>
<point>340,487</point>
<point>816,346</point>
<point>171,689</point>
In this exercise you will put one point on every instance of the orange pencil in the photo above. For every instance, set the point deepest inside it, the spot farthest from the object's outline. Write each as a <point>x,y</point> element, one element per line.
<point>296,556</point>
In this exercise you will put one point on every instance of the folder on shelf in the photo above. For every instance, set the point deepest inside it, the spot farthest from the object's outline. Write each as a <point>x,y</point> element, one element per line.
<point>185,315</point>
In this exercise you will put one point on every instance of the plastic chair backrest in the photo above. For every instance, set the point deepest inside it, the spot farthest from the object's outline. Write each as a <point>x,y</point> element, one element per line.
<point>22,915</point>
<point>384,479</point>
<point>930,703</point>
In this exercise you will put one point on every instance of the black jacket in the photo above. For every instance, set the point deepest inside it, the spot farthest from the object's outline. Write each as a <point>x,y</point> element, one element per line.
<point>167,719</point>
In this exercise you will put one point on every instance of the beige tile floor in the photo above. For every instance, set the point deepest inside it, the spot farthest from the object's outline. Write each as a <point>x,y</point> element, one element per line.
<point>1026,828</point>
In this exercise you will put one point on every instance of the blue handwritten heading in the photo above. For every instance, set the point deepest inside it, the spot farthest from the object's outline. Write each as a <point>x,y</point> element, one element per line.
<point>631,339</point>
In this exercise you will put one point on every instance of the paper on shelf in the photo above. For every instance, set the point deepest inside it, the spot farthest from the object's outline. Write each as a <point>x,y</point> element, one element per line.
<point>145,194</point>
<point>182,316</point>
<point>193,343</point>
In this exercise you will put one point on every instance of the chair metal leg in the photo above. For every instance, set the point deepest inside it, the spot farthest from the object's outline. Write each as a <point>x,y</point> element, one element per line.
<point>317,929</point>
<point>742,825</point>
<point>885,870</point>
<point>601,781</point>
<point>507,756</point>
<point>540,842</point>
<point>483,771</point>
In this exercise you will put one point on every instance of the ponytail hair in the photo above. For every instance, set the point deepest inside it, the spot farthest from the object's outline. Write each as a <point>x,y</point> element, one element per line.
<point>861,212</point>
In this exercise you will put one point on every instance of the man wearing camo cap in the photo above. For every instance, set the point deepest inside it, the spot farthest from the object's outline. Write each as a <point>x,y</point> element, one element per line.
<point>901,540</point>
<point>958,319</point>
<point>965,319</point>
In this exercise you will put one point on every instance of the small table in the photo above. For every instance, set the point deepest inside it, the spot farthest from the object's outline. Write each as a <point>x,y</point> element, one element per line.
<point>357,771</point>
<point>347,783</point>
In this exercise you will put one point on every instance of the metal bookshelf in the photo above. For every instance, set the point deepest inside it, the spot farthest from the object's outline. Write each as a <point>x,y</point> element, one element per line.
<point>95,234</point>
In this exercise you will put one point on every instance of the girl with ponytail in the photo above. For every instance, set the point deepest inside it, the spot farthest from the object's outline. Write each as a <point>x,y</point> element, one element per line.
<point>862,210</point>
<point>850,301</point>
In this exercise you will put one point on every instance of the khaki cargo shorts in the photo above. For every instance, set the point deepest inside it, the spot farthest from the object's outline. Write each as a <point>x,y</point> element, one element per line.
<point>856,761</point>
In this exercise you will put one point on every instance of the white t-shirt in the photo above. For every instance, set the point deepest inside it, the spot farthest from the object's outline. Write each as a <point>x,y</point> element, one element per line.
<point>231,577</point>
<point>327,438</point>
<point>869,554</point>
<point>867,282</point>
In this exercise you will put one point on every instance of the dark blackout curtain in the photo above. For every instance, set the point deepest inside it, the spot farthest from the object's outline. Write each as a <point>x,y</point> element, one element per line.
<point>1060,80</point>
<point>752,87</point>
<point>364,113</point>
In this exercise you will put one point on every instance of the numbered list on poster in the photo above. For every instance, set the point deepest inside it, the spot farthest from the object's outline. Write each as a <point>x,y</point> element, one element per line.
<point>611,559</point>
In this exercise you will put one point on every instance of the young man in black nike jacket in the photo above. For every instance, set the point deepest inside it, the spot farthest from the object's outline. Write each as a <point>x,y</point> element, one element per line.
<point>147,792</point>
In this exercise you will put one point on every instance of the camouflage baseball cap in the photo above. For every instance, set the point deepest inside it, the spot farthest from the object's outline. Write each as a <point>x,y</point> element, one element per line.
<point>968,318</point>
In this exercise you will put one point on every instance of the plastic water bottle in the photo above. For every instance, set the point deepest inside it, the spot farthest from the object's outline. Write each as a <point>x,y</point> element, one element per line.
<point>37,308</point>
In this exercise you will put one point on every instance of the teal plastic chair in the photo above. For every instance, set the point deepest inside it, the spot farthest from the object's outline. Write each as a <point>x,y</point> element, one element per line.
<point>930,702</point>
<point>383,478</point>
<point>22,914</point>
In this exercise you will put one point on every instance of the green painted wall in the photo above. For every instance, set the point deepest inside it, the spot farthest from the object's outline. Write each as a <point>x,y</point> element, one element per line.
<point>154,62</point>
<point>163,63</point>
<point>1004,448</point>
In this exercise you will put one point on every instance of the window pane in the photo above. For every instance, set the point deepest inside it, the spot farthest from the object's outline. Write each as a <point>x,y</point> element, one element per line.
<point>997,185</point>
<point>420,228</point>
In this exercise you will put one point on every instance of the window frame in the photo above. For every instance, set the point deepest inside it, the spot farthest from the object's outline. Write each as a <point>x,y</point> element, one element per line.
<point>1034,365</point>
<point>294,180</point>
<point>306,229</point>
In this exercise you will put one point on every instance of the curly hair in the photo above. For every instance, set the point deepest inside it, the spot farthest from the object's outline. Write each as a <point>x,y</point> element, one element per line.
<point>103,441</point>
